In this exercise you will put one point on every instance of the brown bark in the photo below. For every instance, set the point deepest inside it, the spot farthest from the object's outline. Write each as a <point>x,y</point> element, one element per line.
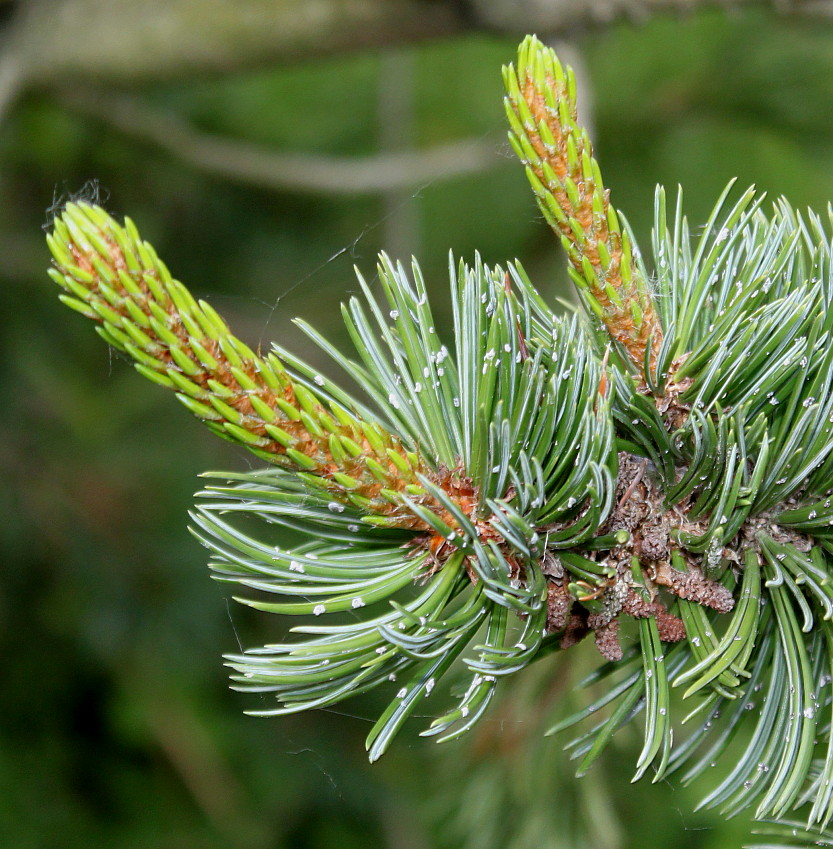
<point>125,41</point>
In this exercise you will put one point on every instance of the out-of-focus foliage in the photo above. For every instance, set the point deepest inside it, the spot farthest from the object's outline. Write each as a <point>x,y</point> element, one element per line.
<point>116,727</point>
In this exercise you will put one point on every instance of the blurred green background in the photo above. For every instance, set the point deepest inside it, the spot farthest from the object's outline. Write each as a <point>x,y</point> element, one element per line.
<point>116,725</point>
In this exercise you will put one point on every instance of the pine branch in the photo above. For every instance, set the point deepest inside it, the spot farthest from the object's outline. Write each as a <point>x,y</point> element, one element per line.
<point>479,416</point>
<point>261,166</point>
<point>507,496</point>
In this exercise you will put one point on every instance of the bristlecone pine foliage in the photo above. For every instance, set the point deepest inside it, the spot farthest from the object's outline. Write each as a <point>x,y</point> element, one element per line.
<point>663,461</point>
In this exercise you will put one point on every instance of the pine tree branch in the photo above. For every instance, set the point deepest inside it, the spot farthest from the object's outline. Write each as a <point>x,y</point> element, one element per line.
<point>265,168</point>
<point>552,498</point>
<point>126,41</point>
<point>129,40</point>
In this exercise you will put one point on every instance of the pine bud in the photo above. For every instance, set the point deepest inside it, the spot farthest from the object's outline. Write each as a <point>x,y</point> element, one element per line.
<point>556,150</point>
<point>113,277</point>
